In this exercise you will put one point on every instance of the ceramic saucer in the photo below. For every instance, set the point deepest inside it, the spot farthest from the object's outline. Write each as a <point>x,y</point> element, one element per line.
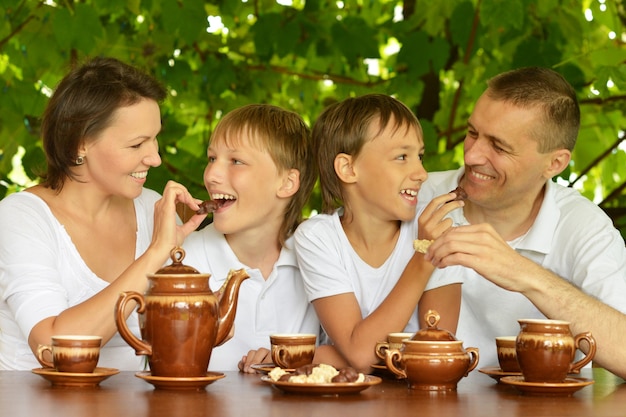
<point>75,380</point>
<point>180,383</point>
<point>265,368</point>
<point>331,388</point>
<point>496,373</point>
<point>381,369</point>
<point>565,388</point>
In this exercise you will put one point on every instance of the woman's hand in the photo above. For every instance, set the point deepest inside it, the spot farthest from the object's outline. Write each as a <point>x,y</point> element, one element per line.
<point>167,232</point>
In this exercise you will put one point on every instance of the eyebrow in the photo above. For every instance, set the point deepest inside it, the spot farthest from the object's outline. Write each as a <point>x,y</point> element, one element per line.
<point>494,139</point>
<point>407,148</point>
<point>144,136</point>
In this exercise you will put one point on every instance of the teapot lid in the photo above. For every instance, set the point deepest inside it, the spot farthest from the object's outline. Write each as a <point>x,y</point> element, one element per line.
<point>432,332</point>
<point>177,254</point>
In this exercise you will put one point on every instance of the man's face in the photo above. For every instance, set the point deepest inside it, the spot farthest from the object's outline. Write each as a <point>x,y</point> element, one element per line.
<point>503,168</point>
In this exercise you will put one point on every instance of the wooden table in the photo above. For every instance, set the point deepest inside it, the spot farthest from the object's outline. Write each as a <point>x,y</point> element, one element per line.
<point>23,393</point>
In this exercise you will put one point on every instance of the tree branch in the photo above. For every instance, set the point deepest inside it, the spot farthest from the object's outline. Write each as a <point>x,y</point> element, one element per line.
<point>614,194</point>
<point>15,31</point>
<point>597,160</point>
<point>602,101</point>
<point>317,76</point>
<point>450,142</point>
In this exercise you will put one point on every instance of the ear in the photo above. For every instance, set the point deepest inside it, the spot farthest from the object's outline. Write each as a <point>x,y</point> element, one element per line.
<point>344,168</point>
<point>290,184</point>
<point>82,148</point>
<point>559,160</point>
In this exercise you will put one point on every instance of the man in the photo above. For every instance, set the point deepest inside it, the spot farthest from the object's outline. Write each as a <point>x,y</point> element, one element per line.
<point>525,246</point>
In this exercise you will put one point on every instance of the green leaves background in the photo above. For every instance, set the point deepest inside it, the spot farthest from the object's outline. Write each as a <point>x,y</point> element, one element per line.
<point>435,55</point>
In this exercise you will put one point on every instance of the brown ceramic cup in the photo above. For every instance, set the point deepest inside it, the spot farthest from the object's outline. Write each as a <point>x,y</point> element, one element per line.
<point>507,356</point>
<point>71,353</point>
<point>546,350</point>
<point>290,351</point>
<point>394,341</point>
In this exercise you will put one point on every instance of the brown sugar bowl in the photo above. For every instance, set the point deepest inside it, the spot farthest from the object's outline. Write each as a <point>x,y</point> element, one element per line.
<point>433,360</point>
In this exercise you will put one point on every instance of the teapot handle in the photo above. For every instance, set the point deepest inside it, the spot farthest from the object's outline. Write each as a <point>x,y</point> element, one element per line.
<point>393,356</point>
<point>140,346</point>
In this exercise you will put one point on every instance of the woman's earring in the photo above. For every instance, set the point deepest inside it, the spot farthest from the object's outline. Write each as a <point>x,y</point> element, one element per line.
<point>80,160</point>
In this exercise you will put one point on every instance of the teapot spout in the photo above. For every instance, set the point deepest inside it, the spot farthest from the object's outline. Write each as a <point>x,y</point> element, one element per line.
<point>228,297</point>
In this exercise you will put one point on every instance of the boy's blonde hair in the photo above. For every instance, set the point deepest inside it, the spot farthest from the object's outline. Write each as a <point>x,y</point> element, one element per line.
<point>286,138</point>
<point>343,128</point>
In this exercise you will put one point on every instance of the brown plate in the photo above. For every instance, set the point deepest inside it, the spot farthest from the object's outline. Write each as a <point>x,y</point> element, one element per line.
<point>180,383</point>
<point>75,380</point>
<point>265,368</point>
<point>496,373</point>
<point>333,388</point>
<point>565,388</point>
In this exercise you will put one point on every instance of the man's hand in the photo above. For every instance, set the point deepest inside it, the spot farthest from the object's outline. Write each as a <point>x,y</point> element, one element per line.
<point>481,248</point>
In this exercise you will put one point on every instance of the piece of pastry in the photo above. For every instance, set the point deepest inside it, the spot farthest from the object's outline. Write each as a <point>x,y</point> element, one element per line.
<point>421,245</point>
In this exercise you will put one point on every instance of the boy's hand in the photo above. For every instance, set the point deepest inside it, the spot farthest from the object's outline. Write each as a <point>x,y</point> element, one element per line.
<point>262,355</point>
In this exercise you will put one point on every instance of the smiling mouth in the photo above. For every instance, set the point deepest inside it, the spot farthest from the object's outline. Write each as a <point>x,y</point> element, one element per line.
<point>409,193</point>
<point>139,175</point>
<point>480,176</point>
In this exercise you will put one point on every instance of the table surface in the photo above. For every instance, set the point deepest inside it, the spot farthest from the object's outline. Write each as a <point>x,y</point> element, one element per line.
<point>23,393</point>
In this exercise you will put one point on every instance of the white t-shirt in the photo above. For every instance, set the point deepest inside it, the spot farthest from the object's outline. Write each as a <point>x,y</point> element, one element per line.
<point>42,274</point>
<point>330,265</point>
<point>275,305</point>
<point>571,236</point>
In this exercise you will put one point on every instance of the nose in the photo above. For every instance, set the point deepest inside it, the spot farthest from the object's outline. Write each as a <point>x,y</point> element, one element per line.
<point>213,174</point>
<point>152,157</point>
<point>474,151</point>
<point>419,173</point>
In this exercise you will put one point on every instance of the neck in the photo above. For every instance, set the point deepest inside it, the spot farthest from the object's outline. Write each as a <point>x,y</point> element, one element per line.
<point>372,239</point>
<point>367,231</point>
<point>510,222</point>
<point>81,201</point>
<point>257,250</point>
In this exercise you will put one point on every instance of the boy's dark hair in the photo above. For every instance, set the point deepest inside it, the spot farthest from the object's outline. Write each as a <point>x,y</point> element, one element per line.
<point>343,128</point>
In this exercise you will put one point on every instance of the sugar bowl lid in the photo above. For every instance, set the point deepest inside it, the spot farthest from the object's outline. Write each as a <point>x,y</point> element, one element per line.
<point>432,333</point>
<point>177,267</point>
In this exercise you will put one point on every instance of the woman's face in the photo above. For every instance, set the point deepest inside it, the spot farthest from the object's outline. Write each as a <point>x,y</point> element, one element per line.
<point>118,159</point>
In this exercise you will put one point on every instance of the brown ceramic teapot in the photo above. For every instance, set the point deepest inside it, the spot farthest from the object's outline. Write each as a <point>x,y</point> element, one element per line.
<point>433,359</point>
<point>180,318</point>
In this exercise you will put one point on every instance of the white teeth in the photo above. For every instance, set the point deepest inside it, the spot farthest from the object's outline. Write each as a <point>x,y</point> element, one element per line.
<point>412,193</point>
<point>139,175</point>
<point>481,176</point>
<point>222,197</point>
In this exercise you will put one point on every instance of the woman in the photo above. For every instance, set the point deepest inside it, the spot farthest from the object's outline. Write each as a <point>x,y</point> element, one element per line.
<point>71,244</point>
